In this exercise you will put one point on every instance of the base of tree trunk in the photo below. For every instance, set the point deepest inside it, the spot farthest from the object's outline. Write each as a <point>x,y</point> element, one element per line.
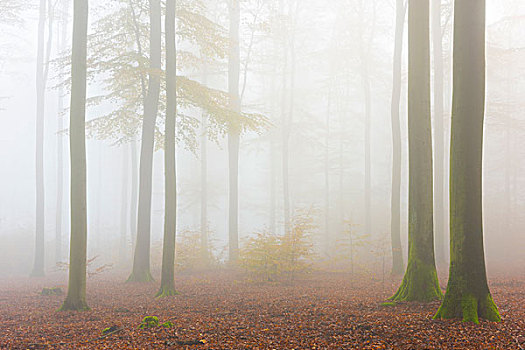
<point>166,291</point>
<point>74,305</point>
<point>141,277</point>
<point>419,284</point>
<point>468,307</point>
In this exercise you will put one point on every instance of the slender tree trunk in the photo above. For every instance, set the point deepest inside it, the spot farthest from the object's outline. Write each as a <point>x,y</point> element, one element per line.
<point>395,219</point>
<point>439,135</point>
<point>62,39</point>
<point>468,294</point>
<point>38,266</point>
<point>328,235</point>
<point>134,192</point>
<point>204,186</point>
<point>76,294</point>
<point>123,246</point>
<point>141,261</point>
<point>420,282</point>
<point>167,283</point>
<point>234,131</point>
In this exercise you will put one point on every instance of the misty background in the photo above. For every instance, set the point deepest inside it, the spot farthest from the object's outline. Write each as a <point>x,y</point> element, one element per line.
<point>331,41</point>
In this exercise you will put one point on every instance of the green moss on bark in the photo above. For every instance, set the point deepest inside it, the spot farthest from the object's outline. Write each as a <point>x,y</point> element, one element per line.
<point>420,283</point>
<point>165,291</point>
<point>468,307</point>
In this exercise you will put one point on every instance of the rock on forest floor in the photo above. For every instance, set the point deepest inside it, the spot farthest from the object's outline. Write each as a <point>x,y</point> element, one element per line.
<point>225,311</point>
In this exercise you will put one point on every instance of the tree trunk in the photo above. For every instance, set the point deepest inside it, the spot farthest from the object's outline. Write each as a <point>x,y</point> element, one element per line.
<point>76,294</point>
<point>62,38</point>
<point>204,183</point>
<point>468,296</point>
<point>123,245</point>
<point>141,261</point>
<point>234,131</point>
<point>439,135</point>
<point>395,219</point>
<point>134,192</point>
<point>420,282</point>
<point>167,283</point>
<point>38,266</point>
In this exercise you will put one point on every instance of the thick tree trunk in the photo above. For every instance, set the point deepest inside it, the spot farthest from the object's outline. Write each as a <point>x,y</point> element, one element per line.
<point>167,283</point>
<point>38,266</point>
<point>439,135</point>
<point>141,261</point>
<point>420,282</point>
<point>395,219</point>
<point>468,296</point>
<point>234,62</point>
<point>76,294</point>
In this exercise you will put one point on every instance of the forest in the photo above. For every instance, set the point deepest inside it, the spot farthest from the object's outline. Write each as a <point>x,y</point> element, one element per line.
<point>262,174</point>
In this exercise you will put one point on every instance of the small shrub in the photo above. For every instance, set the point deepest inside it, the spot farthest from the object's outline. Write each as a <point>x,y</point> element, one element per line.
<point>149,322</point>
<point>52,291</point>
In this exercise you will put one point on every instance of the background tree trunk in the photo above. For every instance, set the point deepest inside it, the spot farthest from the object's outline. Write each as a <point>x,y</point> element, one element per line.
<point>167,283</point>
<point>468,294</point>
<point>420,282</point>
<point>76,294</point>
<point>439,135</point>
<point>234,63</point>
<point>141,261</point>
<point>395,219</point>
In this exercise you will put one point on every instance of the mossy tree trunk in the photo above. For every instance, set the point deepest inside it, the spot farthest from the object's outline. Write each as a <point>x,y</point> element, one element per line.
<point>167,283</point>
<point>141,260</point>
<point>468,296</point>
<point>395,219</point>
<point>234,62</point>
<point>76,294</point>
<point>420,282</point>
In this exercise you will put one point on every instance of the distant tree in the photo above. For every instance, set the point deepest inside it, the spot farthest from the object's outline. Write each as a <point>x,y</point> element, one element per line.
<point>42,70</point>
<point>76,294</point>
<point>395,211</point>
<point>234,66</point>
<point>439,133</point>
<point>141,261</point>
<point>62,45</point>
<point>420,282</point>
<point>468,295</point>
<point>167,283</point>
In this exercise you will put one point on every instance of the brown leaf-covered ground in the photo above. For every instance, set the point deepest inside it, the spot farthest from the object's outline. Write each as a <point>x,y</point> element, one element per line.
<point>225,311</point>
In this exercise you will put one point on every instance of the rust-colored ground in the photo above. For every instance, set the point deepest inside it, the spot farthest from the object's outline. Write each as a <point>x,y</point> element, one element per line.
<point>224,311</point>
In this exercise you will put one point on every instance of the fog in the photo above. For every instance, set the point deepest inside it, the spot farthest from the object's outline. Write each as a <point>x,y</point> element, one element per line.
<point>309,72</point>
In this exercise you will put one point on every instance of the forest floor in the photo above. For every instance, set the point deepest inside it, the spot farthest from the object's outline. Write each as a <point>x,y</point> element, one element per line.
<point>226,311</point>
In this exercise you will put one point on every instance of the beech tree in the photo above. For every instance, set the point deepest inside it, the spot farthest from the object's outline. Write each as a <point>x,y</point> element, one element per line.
<point>141,261</point>
<point>395,211</point>
<point>167,284</point>
<point>76,294</point>
<point>420,282</point>
<point>468,295</point>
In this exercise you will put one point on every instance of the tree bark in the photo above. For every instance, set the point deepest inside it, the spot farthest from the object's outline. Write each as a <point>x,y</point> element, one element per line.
<point>420,282</point>
<point>468,296</point>
<point>167,283</point>
<point>439,134</point>
<point>62,38</point>
<point>234,131</point>
<point>395,218</point>
<point>38,266</point>
<point>76,294</point>
<point>141,261</point>
<point>123,245</point>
